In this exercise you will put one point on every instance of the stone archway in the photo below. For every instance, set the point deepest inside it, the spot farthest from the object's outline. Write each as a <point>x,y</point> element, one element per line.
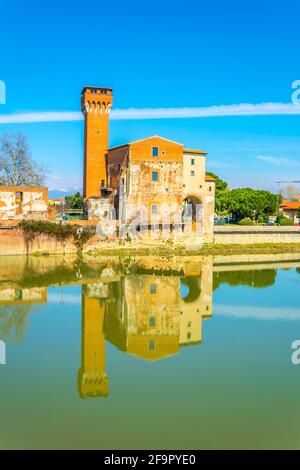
<point>191,212</point>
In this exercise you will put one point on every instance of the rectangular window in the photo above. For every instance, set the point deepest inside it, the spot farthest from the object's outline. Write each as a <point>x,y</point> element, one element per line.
<point>189,335</point>
<point>154,151</point>
<point>192,173</point>
<point>189,324</point>
<point>154,175</point>
<point>154,209</point>
<point>19,197</point>
<point>210,188</point>
<point>152,321</point>
<point>151,345</point>
<point>152,288</point>
<point>193,161</point>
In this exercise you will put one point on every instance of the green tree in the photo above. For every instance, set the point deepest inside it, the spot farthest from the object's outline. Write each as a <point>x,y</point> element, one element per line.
<point>248,203</point>
<point>298,213</point>
<point>75,201</point>
<point>221,188</point>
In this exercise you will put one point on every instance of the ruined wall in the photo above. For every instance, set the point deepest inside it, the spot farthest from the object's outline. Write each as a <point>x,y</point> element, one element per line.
<point>141,190</point>
<point>117,160</point>
<point>17,202</point>
<point>138,185</point>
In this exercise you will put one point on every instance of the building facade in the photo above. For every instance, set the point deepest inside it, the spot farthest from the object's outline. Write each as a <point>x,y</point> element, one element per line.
<point>150,181</point>
<point>291,210</point>
<point>17,202</point>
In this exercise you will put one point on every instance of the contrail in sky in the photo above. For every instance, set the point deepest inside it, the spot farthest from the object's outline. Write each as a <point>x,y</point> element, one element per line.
<point>244,109</point>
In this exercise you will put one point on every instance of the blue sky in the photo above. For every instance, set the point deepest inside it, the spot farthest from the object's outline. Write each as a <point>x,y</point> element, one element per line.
<point>157,54</point>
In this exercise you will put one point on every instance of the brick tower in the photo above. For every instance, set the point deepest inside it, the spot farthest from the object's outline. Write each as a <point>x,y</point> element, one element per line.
<point>95,105</point>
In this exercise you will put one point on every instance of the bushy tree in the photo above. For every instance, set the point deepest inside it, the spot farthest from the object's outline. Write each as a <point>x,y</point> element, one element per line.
<point>17,168</point>
<point>75,201</point>
<point>255,278</point>
<point>221,187</point>
<point>248,203</point>
<point>284,221</point>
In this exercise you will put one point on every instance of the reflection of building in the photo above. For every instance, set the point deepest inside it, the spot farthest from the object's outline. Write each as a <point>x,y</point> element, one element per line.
<point>154,172</point>
<point>16,303</point>
<point>147,315</point>
<point>92,379</point>
<point>21,296</point>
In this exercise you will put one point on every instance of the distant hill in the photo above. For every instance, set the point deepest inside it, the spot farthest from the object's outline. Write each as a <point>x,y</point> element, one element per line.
<point>61,193</point>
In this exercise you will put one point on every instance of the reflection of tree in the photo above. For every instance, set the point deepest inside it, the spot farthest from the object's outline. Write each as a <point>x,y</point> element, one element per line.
<point>254,278</point>
<point>298,270</point>
<point>13,322</point>
<point>61,274</point>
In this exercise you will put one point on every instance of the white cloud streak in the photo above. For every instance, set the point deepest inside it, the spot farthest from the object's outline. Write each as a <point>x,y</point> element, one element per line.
<point>263,109</point>
<point>279,161</point>
<point>257,312</point>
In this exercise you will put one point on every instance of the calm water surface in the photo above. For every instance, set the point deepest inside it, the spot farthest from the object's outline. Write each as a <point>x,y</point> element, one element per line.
<point>120,353</point>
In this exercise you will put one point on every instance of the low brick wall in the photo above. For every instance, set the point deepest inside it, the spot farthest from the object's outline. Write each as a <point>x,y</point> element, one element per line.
<point>12,240</point>
<point>12,243</point>
<point>239,234</point>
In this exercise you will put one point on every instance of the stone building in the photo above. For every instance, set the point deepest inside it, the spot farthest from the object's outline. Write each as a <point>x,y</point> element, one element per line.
<point>290,209</point>
<point>17,202</point>
<point>153,180</point>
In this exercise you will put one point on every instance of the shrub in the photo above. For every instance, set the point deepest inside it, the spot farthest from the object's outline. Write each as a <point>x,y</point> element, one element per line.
<point>285,221</point>
<point>246,221</point>
<point>262,219</point>
<point>61,232</point>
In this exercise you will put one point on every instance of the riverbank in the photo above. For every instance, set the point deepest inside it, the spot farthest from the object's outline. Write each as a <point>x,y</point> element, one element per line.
<point>68,240</point>
<point>210,249</point>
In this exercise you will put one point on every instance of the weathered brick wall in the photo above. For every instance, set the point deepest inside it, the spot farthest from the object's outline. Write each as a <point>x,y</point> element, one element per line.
<point>255,234</point>
<point>18,202</point>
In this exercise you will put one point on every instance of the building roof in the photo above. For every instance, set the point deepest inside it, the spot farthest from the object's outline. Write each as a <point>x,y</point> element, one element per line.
<point>95,88</point>
<point>291,205</point>
<point>209,178</point>
<point>146,138</point>
<point>196,152</point>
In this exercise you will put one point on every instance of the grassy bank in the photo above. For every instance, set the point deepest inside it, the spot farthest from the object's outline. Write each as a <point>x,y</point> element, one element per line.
<point>210,249</point>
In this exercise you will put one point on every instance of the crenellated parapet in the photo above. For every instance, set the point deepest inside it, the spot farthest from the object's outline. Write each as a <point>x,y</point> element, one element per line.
<point>92,384</point>
<point>96,107</point>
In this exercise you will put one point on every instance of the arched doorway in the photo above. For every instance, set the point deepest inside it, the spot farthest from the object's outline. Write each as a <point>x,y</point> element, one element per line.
<point>191,211</point>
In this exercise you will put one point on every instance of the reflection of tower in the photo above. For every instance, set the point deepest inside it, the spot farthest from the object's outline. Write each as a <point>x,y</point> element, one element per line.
<point>96,104</point>
<point>92,378</point>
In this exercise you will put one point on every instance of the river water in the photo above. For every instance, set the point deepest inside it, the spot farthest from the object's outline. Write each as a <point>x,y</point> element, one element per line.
<point>149,352</point>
